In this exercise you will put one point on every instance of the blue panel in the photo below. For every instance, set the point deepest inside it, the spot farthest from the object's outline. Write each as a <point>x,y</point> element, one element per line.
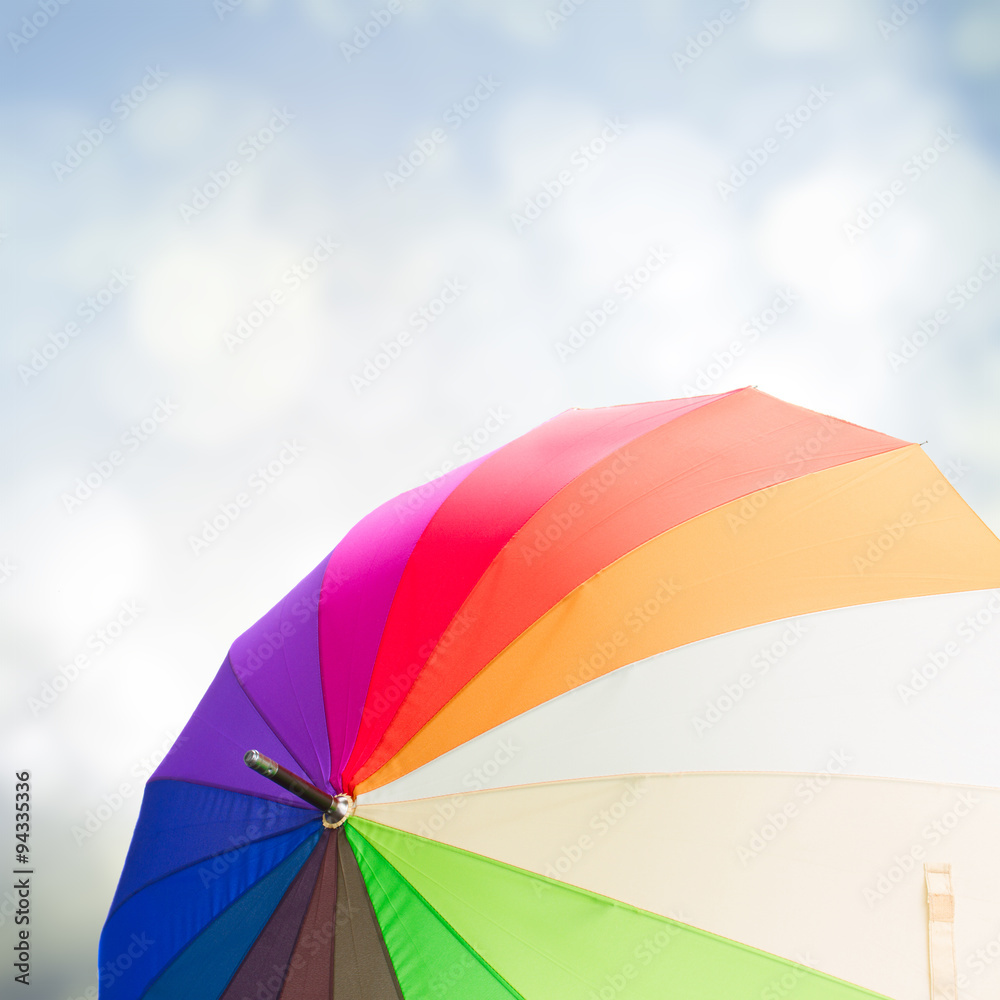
<point>181,824</point>
<point>204,968</point>
<point>153,926</point>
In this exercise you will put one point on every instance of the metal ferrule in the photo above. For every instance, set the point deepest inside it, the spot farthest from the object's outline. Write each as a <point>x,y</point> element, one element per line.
<point>258,762</point>
<point>272,770</point>
<point>339,812</point>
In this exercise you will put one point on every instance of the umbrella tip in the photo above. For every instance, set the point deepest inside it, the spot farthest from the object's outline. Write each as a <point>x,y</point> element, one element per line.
<point>258,762</point>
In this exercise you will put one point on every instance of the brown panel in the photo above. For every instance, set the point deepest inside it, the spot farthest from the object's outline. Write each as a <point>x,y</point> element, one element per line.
<point>310,969</point>
<point>262,972</point>
<point>361,969</point>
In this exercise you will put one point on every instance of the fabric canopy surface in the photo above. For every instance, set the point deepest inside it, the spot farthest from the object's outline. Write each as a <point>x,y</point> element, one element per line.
<point>688,699</point>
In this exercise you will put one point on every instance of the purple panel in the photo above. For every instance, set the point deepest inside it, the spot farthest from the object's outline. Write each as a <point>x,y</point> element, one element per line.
<point>277,663</point>
<point>358,588</point>
<point>223,727</point>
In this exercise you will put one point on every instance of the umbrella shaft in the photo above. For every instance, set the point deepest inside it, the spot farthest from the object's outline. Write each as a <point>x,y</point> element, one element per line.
<point>282,776</point>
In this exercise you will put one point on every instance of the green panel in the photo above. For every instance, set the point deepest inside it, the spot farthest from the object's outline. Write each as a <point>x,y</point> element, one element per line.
<point>553,941</point>
<point>430,959</point>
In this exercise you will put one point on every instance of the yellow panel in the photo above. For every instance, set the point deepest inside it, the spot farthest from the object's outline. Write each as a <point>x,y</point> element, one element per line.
<point>821,869</point>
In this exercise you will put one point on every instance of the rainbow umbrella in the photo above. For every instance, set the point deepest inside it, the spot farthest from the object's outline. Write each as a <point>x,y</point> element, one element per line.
<point>689,699</point>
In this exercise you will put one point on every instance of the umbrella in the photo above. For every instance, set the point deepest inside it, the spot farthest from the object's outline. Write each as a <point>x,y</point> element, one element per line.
<point>690,699</point>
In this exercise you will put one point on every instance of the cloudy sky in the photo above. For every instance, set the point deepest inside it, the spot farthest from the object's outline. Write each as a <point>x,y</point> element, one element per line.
<point>271,263</point>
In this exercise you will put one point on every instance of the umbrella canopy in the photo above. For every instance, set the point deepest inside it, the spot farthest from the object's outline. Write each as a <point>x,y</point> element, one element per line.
<point>692,698</point>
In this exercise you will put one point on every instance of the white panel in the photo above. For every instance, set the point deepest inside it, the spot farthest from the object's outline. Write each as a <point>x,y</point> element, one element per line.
<point>776,697</point>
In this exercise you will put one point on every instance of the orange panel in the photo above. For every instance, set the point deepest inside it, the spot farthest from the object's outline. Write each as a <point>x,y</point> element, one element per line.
<point>881,528</point>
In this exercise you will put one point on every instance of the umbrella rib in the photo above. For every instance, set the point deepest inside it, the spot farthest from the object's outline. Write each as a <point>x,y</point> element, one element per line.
<point>302,715</point>
<point>260,715</point>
